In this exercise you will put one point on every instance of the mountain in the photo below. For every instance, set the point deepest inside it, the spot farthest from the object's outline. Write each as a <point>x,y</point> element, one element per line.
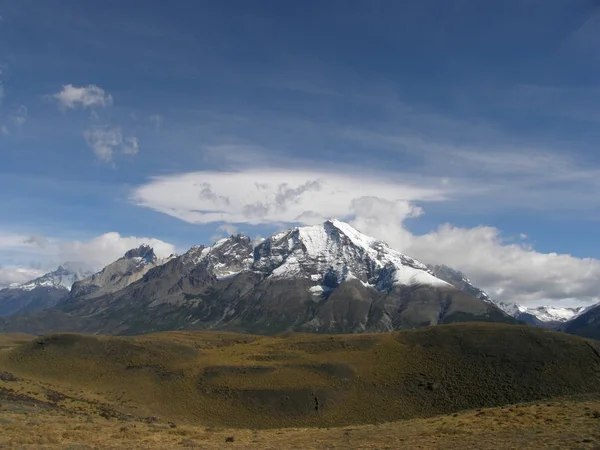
<point>542,316</point>
<point>117,275</point>
<point>586,323</point>
<point>459,280</point>
<point>323,278</point>
<point>41,293</point>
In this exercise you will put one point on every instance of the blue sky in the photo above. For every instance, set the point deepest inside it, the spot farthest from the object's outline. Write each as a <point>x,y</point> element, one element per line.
<point>418,114</point>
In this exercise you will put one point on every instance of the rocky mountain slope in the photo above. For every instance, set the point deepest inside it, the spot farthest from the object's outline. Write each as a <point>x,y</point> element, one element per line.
<point>40,293</point>
<point>542,316</point>
<point>117,275</point>
<point>459,280</point>
<point>323,278</point>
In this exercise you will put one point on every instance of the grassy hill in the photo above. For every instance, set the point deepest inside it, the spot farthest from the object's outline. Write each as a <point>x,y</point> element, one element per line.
<point>235,380</point>
<point>11,340</point>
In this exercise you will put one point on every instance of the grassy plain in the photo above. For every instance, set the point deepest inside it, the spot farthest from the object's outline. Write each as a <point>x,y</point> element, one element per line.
<point>428,388</point>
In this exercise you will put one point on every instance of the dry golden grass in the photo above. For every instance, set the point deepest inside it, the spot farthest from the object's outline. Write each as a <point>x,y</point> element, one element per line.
<point>10,340</point>
<point>82,392</point>
<point>233,380</point>
<point>559,424</point>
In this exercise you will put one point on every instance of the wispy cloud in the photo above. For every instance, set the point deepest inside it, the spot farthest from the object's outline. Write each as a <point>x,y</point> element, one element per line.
<point>105,142</point>
<point>72,97</point>
<point>131,146</point>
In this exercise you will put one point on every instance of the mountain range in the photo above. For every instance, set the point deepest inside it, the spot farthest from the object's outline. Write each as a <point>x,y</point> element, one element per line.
<point>40,293</point>
<point>326,278</point>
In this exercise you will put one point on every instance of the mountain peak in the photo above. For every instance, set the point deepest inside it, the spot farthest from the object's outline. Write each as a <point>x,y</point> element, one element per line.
<point>62,277</point>
<point>144,252</point>
<point>336,248</point>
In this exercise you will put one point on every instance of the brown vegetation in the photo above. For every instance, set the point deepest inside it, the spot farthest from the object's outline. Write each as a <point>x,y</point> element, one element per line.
<point>198,388</point>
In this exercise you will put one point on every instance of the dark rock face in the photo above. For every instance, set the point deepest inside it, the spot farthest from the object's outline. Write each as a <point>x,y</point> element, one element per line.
<point>328,279</point>
<point>143,251</point>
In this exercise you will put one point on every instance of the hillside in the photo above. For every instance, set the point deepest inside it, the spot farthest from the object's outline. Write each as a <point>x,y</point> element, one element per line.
<point>232,380</point>
<point>560,424</point>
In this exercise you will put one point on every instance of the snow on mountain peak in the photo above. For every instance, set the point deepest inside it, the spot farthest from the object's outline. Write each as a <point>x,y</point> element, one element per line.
<point>63,278</point>
<point>554,314</point>
<point>336,248</point>
<point>542,313</point>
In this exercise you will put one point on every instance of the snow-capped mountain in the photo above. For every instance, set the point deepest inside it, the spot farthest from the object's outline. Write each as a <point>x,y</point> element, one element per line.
<point>63,277</point>
<point>549,315</point>
<point>40,293</point>
<point>323,278</point>
<point>334,252</point>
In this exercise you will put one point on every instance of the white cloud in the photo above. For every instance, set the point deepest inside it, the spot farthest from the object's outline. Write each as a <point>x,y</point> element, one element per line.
<point>271,196</point>
<point>108,247</point>
<point>105,142</point>
<point>71,97</point>
<point>510,271</point>
<point>22,252</point>
<point>157,120</point>
<point>378,206</point>
<point>224,230</point>
<point>10,275</point>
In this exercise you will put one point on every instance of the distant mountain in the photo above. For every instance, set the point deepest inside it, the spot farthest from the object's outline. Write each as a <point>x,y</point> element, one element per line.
<point>542,316</point>
<point>586,323</point>
<point>117,275</point>
<point>41,293</point>
<point>323,278</point>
